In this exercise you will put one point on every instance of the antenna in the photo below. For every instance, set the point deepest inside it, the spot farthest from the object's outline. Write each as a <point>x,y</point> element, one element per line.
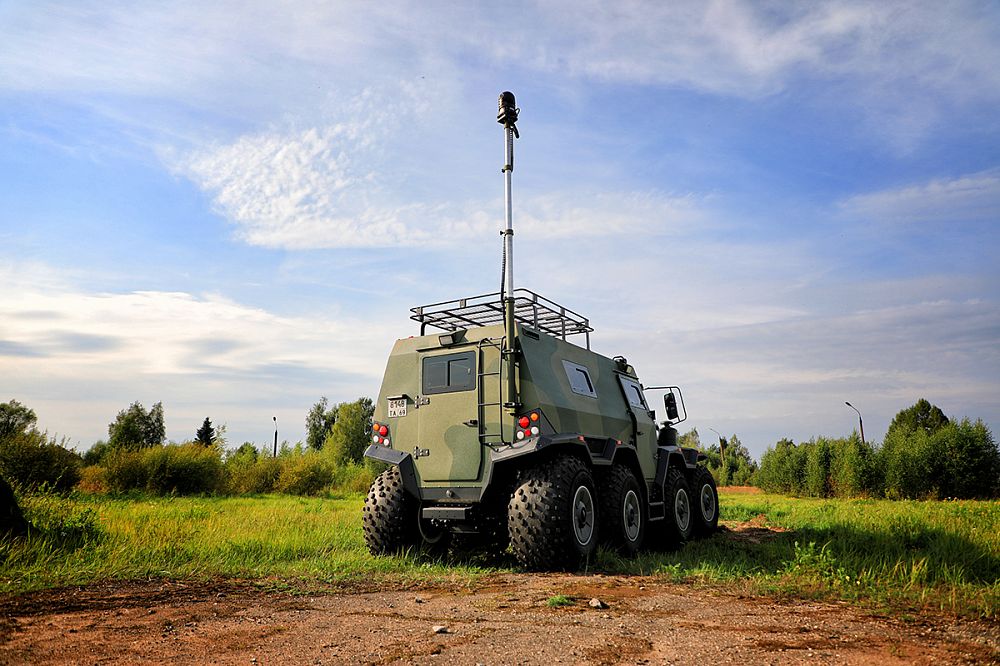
<point>507,115</point>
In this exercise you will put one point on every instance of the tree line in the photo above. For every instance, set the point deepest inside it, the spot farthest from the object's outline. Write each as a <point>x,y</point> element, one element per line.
<point>137,457</point>
<point>924,455</point>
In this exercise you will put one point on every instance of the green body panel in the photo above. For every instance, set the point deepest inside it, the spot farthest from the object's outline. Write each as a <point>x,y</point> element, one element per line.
<point>449,434</point>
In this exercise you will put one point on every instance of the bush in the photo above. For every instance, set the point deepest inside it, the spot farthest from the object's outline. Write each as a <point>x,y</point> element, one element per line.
<point>304,474</point>
<point>93,479</point>
<point>249,473</point>
<point>29,458</point>
<point>181,469</point>
<point>355,478</point>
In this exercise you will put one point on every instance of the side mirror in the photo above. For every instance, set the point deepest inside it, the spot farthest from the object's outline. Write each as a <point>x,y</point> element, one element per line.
<point>673,402</point>
<point>670,403</point>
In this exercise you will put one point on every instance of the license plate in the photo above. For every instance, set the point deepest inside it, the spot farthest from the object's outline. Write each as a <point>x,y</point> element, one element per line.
<point>397,407</point>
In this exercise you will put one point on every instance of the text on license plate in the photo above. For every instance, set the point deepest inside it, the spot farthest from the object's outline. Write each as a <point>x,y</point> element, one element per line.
<point>397,407</point>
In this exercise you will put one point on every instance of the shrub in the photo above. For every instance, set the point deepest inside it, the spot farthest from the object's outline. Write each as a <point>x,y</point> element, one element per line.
<point>249,473</point>
<point>93,479</point>
<point>31,459</point>
<point>173,469</point>
<point>183,469</point>
<point>304,474</point>
<point>355,478</point>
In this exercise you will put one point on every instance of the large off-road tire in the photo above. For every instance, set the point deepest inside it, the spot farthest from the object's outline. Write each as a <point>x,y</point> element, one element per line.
<point>552,517</point>
<point>390,516</point>
<point>679,521</point>
<point>622,510</point>
<point>706,503</point>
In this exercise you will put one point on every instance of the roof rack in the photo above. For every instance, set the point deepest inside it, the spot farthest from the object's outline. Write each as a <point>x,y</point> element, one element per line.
<point>486,310</point>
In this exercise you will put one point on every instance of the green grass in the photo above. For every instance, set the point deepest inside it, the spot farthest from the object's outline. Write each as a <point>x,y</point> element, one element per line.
<point>559,600</point>
<point>899,556</point>
<point>896,555</point>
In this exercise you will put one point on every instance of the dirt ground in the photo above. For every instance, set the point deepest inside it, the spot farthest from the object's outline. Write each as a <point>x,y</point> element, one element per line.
<point>503,620</point>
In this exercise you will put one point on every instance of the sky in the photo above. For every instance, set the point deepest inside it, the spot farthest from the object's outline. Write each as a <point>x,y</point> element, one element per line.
<point>230,207</point>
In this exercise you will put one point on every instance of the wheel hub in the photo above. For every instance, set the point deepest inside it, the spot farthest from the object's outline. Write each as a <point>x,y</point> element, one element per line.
<point>632,515</point>
<point>583,515</point>
<point>682,510</point>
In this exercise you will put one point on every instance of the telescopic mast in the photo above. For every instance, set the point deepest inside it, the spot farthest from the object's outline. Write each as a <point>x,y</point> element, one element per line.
<point>507,116</point>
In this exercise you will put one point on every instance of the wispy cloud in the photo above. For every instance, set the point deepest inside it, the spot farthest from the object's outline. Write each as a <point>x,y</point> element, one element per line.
<point>904,65</point>
<point>332,186</point>
<point>945,200</point>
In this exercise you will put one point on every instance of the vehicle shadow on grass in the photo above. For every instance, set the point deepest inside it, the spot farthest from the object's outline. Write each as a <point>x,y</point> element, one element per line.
<point>906,552</point>
<point>903,551</point>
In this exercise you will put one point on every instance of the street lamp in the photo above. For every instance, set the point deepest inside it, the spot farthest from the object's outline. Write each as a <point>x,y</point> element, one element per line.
<point>861,425</point>
<point>722,445</point>
<point>275,436</point>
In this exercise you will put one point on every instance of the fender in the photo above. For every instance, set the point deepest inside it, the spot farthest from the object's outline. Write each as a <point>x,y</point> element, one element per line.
<point>402,460</point>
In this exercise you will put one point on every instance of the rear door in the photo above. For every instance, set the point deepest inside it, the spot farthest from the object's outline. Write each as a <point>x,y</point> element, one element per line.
<point>448,435</point>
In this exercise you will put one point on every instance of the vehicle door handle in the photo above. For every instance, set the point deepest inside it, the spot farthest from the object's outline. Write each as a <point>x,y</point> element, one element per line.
<point>472,423</point>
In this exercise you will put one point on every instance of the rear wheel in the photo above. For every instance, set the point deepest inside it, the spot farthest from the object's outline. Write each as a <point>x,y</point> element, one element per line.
<point>390,516</point>
<point>623,519</point>
<point>552,515</point>
<point>706,503</point>
<point>679,521</point>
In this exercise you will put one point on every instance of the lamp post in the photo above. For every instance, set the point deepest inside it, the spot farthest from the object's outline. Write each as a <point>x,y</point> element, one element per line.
<point>722,445</point>
<point>275,436</point>
<point>861,425</point>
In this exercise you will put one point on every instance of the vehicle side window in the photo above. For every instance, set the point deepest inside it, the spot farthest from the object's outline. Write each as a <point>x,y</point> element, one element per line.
<point>579,379</point>
<point>449,373</point>
<point>633,391</point>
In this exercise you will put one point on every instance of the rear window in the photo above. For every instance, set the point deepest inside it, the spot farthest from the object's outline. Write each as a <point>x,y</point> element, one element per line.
<point>452,372</point>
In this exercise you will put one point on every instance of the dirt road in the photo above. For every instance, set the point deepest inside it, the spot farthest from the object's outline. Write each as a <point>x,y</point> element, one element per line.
<point>504,620</point>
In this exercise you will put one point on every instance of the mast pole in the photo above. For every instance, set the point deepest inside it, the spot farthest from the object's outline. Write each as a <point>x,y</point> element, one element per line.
<point>507,116</point>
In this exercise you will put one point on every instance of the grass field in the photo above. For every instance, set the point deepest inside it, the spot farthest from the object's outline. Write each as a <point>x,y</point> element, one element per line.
<point>899,556</point>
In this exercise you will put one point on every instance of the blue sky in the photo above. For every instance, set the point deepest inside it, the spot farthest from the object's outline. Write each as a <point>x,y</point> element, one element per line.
<point>230,209</point>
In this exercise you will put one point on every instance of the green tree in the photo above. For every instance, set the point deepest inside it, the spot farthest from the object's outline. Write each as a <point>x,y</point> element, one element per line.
<point>738,466</point>
<point>348,437</point>
<point>206,433</point>
<point>15,419</point>
<point>319,422</point>
<point>921,416</point>
<point>135,428</point>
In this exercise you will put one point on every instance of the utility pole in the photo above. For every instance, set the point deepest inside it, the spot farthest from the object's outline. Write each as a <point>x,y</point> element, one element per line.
<point>722,445</point>
<point>275,436</point>
<point>861,425</point>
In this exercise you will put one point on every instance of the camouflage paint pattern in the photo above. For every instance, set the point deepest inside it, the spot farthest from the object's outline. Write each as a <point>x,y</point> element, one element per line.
<point>442,430</point>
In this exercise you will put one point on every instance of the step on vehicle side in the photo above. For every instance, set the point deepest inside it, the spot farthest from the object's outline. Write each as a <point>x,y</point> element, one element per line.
<point>496,425</point>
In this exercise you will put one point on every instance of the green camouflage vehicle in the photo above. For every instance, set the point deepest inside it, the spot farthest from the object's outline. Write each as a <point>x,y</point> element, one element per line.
<point>499,427</point>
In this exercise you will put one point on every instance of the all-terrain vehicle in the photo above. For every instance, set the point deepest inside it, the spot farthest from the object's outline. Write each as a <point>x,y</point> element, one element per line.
<point>498,426</point>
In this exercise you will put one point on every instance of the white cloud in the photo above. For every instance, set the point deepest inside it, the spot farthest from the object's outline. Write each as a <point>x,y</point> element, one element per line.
<point>77,357</point>
<point>331,186</point>
<point>970,197</point>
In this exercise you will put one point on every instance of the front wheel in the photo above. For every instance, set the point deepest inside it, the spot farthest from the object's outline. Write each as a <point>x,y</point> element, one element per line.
<point>552,515</point>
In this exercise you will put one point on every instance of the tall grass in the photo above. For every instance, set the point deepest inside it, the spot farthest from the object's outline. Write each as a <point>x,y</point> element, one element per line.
<point>897,554</point>
<point>891,554</point>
